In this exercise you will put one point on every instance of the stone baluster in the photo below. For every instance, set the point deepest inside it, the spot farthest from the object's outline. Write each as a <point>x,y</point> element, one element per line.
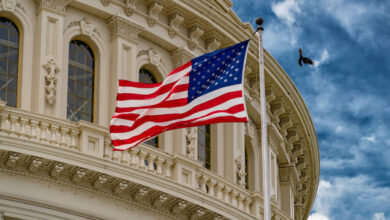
<point>159,162</point>
<point>43,136</point>
<point>203,181</point>
<point>24,127</point>
<point>4,122</point>
<point>240,201</point>
<point>247,202</point>
<point>14,124</point>
<point>125,158</point>
<point>168,169</point>
<point>234,198</point>
<point>142,155</point>
<point>133,157</point>
<point>226,192</point>
<point>54,132</point>
<point>218,192</point>
<point>64,134</point>
<point>34,127</point>
<point>116,155</point>
<point>107,149</point>
<point>73,139</point>
<point>151,159</point>
<point>211,187</point>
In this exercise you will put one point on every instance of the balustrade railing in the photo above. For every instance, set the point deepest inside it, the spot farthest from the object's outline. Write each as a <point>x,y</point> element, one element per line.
<point>94,140</point>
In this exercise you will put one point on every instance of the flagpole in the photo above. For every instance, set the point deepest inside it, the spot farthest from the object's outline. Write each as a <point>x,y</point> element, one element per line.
<point>263,115</point>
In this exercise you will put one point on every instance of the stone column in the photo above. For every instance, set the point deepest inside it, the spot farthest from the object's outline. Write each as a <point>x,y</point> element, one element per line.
<point>124,42</point>
<point>234,148</point>
<point>184,140</point>
<point>287,191</point>
<point>48,57</point>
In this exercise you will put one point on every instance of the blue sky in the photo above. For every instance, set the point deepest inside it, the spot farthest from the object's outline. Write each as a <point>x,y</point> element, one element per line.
<point>347,93</point>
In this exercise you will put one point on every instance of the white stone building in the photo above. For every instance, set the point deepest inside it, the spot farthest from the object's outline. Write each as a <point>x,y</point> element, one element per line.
<point>60,61</point>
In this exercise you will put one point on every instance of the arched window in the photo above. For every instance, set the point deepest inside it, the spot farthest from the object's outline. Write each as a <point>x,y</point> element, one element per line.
<point>145,76</point>
<point>9,56</point>
<point>204,145</point>
<point>81,82</point>
<point>246,168</point>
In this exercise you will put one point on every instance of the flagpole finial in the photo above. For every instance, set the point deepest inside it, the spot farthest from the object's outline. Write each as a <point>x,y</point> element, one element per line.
<point>259,22</point>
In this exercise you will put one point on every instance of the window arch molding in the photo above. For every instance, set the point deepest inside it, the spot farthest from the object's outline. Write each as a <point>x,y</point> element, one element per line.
<point>102,83</point>
<point>25,61</point>
<point>150,59</point>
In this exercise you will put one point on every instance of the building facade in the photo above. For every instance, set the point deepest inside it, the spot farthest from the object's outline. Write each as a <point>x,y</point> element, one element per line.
<point>60,61</point>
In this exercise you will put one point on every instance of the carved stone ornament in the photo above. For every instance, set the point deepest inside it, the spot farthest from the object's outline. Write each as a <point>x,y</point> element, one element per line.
<point>124,28</point>
<point>120,187</point>
<point>153,56</point>
<point>53,5</point>
<point>154,9</point>
<point>180,57</point>
<point>212,44</point>
<point>35,164</point>
<point>130,7</point>
<point>85,26</point>
<point>198,214</point>
<point>179,207</point>
<point>160,200</point>
<point>12,160</point>
<point>105,2</point>
<point>240,171</point>
<point>51,69</point>
<point>251,129</point>
<point>195,32</point>
<point>174,21</point>
<point>190,141</point>
<point>56,170</point>
<point>8,5</point>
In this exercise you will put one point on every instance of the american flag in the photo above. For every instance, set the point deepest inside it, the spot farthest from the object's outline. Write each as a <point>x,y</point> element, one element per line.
<point>207,89</point>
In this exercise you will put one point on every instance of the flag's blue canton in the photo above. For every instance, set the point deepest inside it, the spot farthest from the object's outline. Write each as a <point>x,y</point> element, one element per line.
<point>216,70</point>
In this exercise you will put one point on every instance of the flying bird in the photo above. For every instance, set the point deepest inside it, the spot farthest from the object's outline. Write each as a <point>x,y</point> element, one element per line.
<point>304,59</point>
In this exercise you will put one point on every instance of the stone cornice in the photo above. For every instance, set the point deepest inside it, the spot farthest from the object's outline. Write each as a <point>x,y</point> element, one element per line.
<point>57,6</point>
<point>121,27</point>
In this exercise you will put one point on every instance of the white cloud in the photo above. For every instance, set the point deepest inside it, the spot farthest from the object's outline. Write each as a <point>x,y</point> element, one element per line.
<point>318,216</point>
<point>286,10</point>
<point>323,59</point>
<point>379,216</point>
<point>336,194</point>
<point>369,138</point>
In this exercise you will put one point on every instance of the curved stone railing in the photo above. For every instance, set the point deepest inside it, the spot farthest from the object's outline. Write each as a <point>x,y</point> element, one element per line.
<point>92,140</point>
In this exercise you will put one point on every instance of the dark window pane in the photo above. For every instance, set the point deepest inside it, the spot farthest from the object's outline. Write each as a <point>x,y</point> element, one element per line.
<point>9,52</point>
<point>89,79</point>
<point>13,69</point>
<point>81,89</point>
<point>3,67</point>
<point>88,93</point>
<point>71,86</point>
<point>14,38</point>
<point>204,145</point>
<point>11,99</point>
<point>2,96</point>
<point>13,54</point>
<point>88,107</point>
<point>3,33</point>
<point>12,83</point>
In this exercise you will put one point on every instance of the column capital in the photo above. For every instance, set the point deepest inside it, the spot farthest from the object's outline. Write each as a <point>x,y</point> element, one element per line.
<point>121,27</point>
<point>57,6</point>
